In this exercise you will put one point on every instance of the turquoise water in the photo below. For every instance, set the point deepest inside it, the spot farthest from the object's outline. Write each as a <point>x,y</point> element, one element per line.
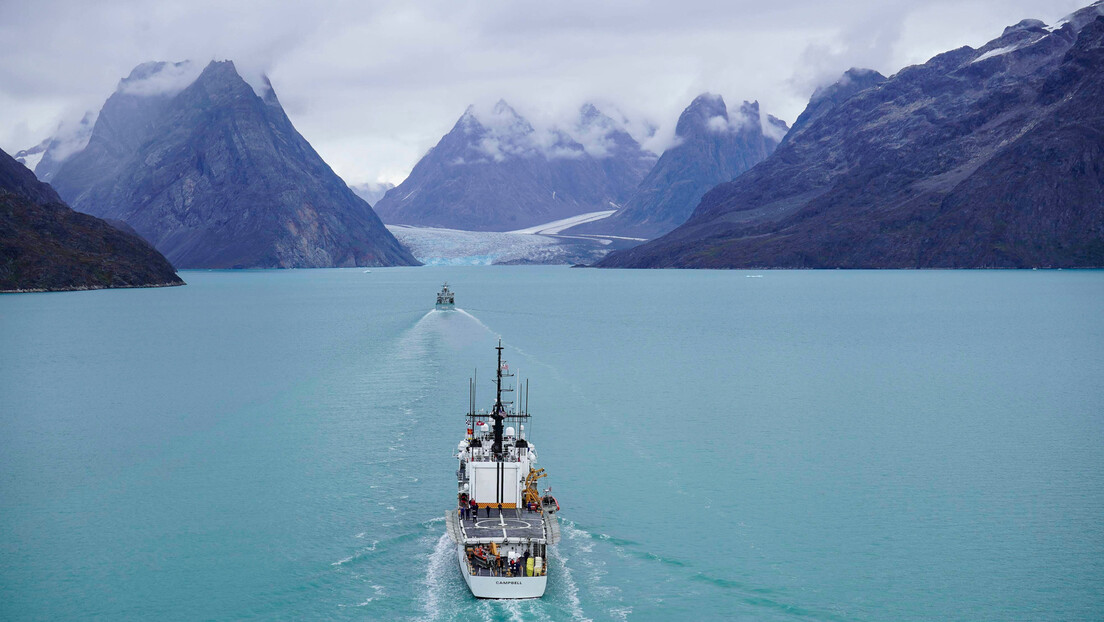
<point>801,446</point>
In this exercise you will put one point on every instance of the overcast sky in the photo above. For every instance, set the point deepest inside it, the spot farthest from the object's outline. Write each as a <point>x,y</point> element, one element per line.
<point>374,84</point>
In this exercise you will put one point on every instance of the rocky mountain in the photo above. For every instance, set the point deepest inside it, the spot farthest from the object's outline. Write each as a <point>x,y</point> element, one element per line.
<point>45,246</point>
<point>372,192</point>
<point>116,133</point>
<point>495,172</point>
<point>45,158</point>
<point>990,157</point>
<point>31,157</point>
<point>622,158</point>
<point>215,176</point>
<point>712,147</point>
<point>826,98</point>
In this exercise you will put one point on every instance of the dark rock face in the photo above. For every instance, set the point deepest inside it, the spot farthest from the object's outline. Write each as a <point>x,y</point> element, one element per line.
<point>45,246</point>
<point>623,160</point>
<point>216,176</point>
<point>978,158</point>
<point>828,97</point>
<point>124,122</point>
<point>713,147</point>
<point>495,172</point>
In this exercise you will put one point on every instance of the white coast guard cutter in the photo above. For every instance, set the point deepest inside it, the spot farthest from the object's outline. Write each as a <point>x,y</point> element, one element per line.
<point>501,525</point>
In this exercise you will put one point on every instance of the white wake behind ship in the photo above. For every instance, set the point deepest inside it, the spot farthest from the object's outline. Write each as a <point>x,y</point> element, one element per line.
<point>502,525</point>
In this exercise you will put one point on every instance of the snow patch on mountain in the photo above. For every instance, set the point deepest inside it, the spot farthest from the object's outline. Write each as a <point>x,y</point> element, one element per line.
<point>31,157</point>
<point>32,160</point>
<point>557,226</point>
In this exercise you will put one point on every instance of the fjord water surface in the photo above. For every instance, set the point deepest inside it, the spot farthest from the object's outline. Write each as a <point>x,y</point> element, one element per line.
<point>801,446</point>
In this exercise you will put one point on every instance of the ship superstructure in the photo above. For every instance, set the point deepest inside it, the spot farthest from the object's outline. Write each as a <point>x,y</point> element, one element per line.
<point>446,300</point>
<point>502,525</point>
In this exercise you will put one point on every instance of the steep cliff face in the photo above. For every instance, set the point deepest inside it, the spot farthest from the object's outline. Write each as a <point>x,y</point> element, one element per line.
<point>621,157</point>
<point>987,157</point>
<point>45,246</point>
<point>116,132</point>
<point>713,147</point>
<point>495,172</point>
<point>216,176</point>
<point>826,98</point>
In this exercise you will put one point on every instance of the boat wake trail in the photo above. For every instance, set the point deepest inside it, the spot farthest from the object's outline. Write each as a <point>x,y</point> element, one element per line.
<point>447,597</point>
<point>477,321</point>
<point>437,583</point>
<point>754,598</point>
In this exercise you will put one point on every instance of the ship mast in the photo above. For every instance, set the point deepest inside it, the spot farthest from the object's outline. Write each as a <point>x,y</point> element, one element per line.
<point>499,412</point>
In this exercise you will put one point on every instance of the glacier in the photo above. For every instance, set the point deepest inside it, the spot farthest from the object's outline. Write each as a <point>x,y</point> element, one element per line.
<point>454,247</point>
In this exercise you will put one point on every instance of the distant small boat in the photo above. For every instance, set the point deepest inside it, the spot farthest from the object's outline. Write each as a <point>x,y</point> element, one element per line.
<point>445,299</point>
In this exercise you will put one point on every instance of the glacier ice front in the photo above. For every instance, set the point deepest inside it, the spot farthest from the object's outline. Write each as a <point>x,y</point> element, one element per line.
<point>455,247</point>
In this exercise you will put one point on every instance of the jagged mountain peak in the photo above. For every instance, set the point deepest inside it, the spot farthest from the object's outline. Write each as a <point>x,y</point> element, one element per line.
<point>601,135</point>
<point>708,114</point>
<point>952,163</point>
<point>826,98</point>
<point>748,118</point>
<point>707,100</point>
<point>224,73</point>
<point>697,116</point>
<point>159,78</point>
<point>495,171</point>
<point>588,112</point>
<point>216,175</point>
<point>503,108</point>
<point>1025,24</point>
<point>499,121</point>
<point>853,80</point>
<point>1081,17</point>
<point>714,146</point>
<point>590,116</point>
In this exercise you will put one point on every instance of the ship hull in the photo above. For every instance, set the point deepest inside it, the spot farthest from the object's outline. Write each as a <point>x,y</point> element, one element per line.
<point>444,306</point>
<point>500,587</point>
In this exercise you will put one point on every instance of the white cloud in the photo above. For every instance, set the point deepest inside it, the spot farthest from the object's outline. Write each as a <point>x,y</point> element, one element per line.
<point>771,130</point>
<point>374,85</point>
<point>170,79</point>
<point>72,136</point>
<point>734,123</point>
<point>717,124</point>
